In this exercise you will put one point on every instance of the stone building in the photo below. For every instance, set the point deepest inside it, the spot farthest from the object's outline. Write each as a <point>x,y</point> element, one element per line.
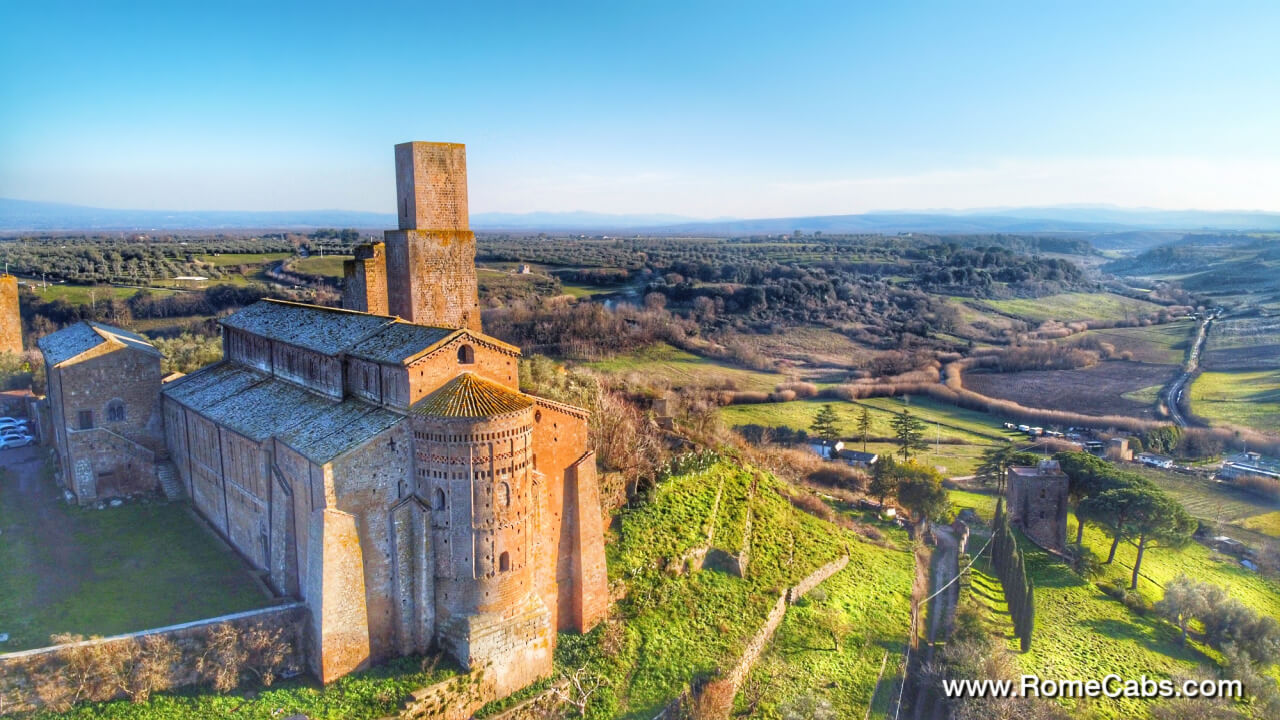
<point>384,468</point>
<point>1037,502</point>
<point>390,472</point>
<point>104,408</point>
<point>10,318</point>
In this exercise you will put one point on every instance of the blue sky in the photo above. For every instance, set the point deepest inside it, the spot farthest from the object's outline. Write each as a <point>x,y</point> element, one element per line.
<point>702,109</point>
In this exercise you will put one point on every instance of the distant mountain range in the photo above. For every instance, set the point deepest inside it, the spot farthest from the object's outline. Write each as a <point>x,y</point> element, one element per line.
<point>23,215</point>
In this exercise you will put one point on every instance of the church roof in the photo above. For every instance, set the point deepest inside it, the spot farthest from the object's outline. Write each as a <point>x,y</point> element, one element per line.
<point>325,330</point>
<point>469,396</point>
<point>399,341</point>
<point>78,339</point>
<point>259,406</point>
<point>332,331</point>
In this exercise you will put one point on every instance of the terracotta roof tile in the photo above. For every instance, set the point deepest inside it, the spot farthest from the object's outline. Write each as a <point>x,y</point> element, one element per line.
<point>469,396</point>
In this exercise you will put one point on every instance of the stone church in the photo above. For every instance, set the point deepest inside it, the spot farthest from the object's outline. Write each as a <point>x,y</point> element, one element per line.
<point>380,462</point>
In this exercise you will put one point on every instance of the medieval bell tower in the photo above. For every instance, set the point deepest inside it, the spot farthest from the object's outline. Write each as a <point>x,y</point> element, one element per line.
<point>424,271</point>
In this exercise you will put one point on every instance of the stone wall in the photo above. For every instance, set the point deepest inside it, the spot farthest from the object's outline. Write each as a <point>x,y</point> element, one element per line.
<point>25,675</point>
<point>364,281</point>
<point>10,320</point>
<point>715,698</point>
<point>454,699</point>
<point>431,277</point>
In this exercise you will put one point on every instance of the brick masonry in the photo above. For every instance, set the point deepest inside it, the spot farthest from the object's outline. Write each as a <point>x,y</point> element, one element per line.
<point>10,319</point>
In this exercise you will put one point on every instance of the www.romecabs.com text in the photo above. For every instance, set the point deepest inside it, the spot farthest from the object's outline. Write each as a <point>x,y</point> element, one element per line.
<point>1111,686</point>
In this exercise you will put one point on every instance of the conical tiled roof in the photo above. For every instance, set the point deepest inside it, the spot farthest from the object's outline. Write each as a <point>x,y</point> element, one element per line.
<point>468,396</point>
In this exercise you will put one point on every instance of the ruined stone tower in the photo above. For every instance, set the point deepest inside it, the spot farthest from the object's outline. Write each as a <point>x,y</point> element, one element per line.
<point>10,319</point>
<point>423,272</point>
<point>1037,501</point>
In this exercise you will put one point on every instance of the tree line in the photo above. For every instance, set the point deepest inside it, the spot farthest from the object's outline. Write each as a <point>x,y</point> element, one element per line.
<point>1019,593</point>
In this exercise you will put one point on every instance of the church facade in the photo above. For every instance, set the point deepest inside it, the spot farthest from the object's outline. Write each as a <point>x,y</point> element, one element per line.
<point>380,462</point>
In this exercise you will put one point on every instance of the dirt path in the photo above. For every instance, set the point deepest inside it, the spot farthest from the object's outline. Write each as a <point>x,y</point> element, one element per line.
<point>942,608</point>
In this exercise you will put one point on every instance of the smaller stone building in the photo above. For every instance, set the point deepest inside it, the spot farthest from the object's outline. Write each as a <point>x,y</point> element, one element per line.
<point>104,407</point>
<point>1037,501</point>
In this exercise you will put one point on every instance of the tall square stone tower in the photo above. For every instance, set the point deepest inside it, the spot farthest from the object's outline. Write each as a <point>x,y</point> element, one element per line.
<point>1037,502</point>
<point>423,272</point>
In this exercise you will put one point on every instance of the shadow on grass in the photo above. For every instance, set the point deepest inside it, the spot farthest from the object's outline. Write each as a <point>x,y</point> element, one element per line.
<point>1150,633</point>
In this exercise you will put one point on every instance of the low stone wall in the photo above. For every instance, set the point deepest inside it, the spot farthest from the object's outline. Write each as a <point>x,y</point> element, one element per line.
<point>715,699</point>
<point>457,698</point>
<point>108,668</point>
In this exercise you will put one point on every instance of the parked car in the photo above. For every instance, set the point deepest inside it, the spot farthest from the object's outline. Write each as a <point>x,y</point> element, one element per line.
<point>20,425</point>
<point>15,441</point>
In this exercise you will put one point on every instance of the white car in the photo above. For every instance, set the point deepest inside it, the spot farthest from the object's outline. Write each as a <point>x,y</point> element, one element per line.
<point>15,441</point>
<point>7,425</point>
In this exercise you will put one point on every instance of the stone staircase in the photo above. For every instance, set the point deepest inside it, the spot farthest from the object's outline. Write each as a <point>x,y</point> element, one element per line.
<point>170,483</point>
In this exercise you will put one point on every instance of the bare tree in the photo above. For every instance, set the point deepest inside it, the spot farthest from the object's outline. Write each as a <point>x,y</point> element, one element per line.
<point>576,689</point>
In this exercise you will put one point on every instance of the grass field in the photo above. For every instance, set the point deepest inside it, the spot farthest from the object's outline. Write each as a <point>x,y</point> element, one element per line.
<point>101,572</point>
<point>805,347</point>
<point>803,660</point>
<point>964,434</point>
<point>229,259</point>
<point>84,294</point>
<point>1067,307</point>
<point>1161,344</point>
<point>677,625</point>
<point>327,265</point>
<point>1081,633</point>
<point>1239,397</point>
<point>946,421</point>
<point>1267,523</point>
<point>1206,499</point>
<point>684,369</point>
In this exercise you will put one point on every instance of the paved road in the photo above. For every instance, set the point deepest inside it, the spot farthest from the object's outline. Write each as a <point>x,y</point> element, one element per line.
<point>1173,396</point>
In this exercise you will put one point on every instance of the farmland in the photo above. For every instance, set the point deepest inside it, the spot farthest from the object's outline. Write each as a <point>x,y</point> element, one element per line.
<point>680,369</point>
<point>1068,307</point>
<point>1243,344</point>
<point>323,265</point>
<point>1099,390</point>
<point>1165,344</point>
<point>1239,397</point>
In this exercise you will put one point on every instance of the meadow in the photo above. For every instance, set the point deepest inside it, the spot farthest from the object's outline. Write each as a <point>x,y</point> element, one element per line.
<point>1165,344</point>
<point>66,569</point>
<point>323,265</point>
<point>680,369</point>
<point>1239,397</point>
<point>1069,307</point>
<point>678,625</point>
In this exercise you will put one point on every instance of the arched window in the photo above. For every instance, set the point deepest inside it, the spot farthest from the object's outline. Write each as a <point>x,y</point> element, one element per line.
<point>115,411</point>
<point>439,504</point>
<point>504,494</point>
<point>504,562</point>
<point>466,355</point>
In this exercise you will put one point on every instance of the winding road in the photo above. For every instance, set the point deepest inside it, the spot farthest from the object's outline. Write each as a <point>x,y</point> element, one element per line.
<point>1173,396</point>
